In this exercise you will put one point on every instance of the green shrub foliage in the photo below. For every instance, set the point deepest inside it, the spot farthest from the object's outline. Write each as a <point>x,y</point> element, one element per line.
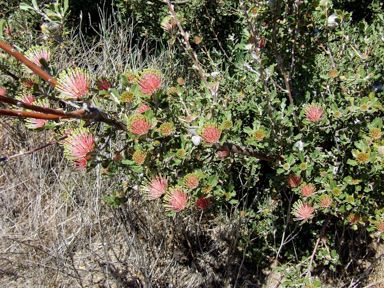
<point>280,99</point>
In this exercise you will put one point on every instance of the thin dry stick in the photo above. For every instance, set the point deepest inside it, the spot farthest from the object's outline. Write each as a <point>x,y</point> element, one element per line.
<point>280,62</point>
<point>317,245</point>
<point>190,51</point>
<point>6,159</point>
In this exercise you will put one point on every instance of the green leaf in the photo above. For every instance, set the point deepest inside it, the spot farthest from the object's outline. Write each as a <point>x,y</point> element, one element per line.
<point>213,180</point>
<point>2,22</point>
<point>182,141</point>
<point>65,5</point>
<point>149,114</point>
<point>34,2</point>
<point>352,162</point>
<point>25,6</point>
<point>248,130</point>
<point>135,89</point>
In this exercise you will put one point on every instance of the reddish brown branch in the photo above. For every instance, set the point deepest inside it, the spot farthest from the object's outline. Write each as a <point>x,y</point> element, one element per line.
<point>233,148</point>
<point>25,114</point>
<point>29,64</point>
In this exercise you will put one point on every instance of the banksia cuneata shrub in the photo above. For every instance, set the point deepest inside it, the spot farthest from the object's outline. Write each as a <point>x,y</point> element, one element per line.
<point>156,186</point>
<point>149,81</point>
<point>138,124</point>
<point>74,83</point>
<point>210,133</point>
<point>176,199</point>
<point>79,143</point>
<point>36,53</point>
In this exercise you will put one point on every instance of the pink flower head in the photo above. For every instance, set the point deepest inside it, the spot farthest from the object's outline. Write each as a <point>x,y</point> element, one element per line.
<point>176,199</point>
<point>211,133</point>
<point>353,218</point>
<point>293,180</point>
<point>76,147</point>
<point>130,76</point>
<point>314,112</point>
<point>138,124</point>
<point>142,109</point>
<point>166,129</point>
<point>180,81</point>
<point>29,99</point>
<point>156,186</point>
<point>197,40</point>
<point>167,23</point>
<point>191,181</point>
<point>307,189</point>
<point>202,203</point>
<point>325,201</point>
<point>36,53</point>
<point>104,84</point>
<point>149,81</point>
<point>222,154</point>
<point>2,91</point>
<point>28,82</point>
<point>33,123</point>
<point>8,30</point>
<point>74,83</point>
<point>303,211</point>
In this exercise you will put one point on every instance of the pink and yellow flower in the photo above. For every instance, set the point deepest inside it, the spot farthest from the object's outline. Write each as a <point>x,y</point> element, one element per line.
<point>211,133</point>
<point>33,123</point>
<point>138,124</point>
<point>79,143</point>
<point>142,109</point>
<point>36,53</point>
<point>139,157</point>
<point>149,81</point>
<point>202,203</point>
<point>191,181</point>
<point>307,189</point>
<point>324,201</point>
<point>29,99</point>
<point>74,83</point>
<point>293,180</point>
<point>176,199</point>
<point>314,112</point>
<point>156,186</point>
<point>303,211</point>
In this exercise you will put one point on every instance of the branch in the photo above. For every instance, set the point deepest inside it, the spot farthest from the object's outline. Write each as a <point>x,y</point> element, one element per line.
<point>233,148</point>
<point>5,159</point>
